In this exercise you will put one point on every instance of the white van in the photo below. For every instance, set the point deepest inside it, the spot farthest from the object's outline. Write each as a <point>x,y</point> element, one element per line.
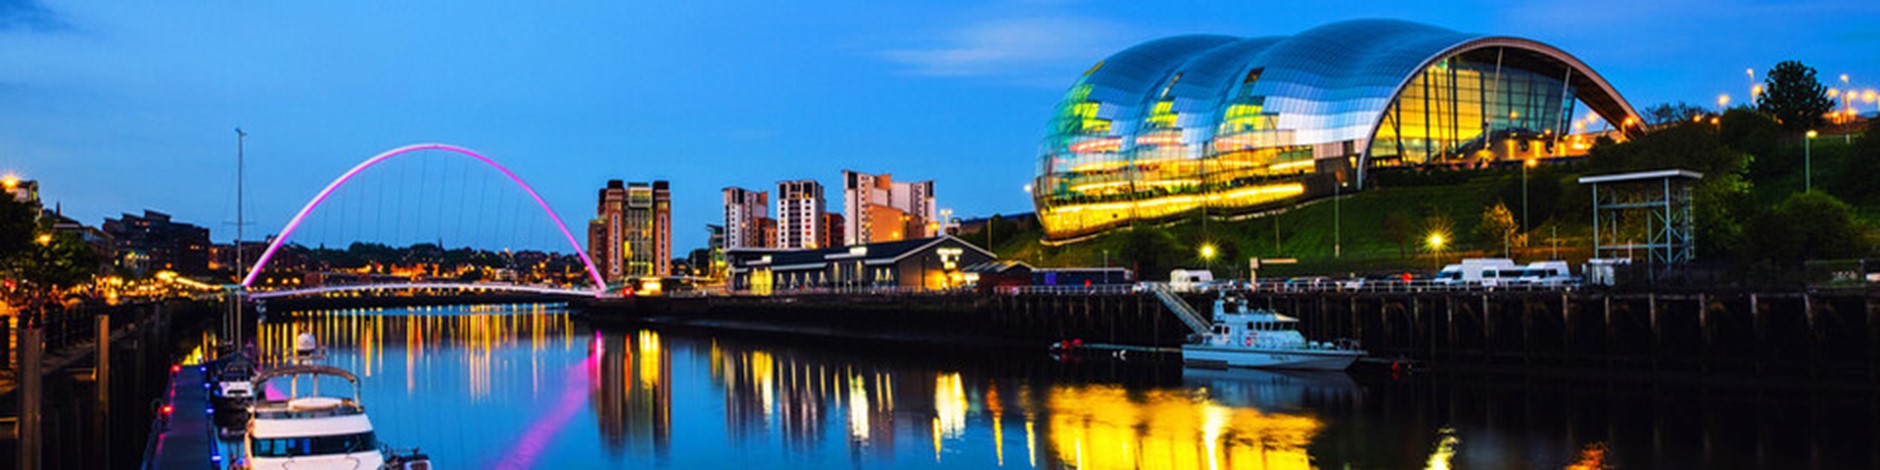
<point>1485,272</point>
<point>1189,280</point>
<point>1547,273</point>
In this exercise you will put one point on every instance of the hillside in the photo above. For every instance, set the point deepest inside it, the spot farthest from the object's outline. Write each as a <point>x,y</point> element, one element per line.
<point>1370,239</point>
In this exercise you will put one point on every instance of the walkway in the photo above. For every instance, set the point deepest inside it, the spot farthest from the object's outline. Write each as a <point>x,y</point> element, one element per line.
<point>185,437</point>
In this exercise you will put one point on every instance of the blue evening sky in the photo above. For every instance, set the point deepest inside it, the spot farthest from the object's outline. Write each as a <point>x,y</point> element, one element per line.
<point>121,106</point>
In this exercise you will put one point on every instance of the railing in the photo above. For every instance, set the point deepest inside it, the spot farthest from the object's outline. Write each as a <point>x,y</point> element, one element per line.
<point>1069,290</point>
<point>1293,286</point>
<point>1186,313</point>
<point>877,291</point>
<point>1390,286</point>
<point>419,286</point>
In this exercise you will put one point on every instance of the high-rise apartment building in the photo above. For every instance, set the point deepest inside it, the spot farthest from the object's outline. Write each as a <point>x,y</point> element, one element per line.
<point>879,209</point>
<point>799,215</point>
<point>648,246</point>
<point>608,230</point>
<point>832,230</point>
<point>744,212</point>
<point>631,234</point>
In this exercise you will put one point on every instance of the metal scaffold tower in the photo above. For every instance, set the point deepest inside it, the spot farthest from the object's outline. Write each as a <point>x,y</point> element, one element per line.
<point>1647,211</point>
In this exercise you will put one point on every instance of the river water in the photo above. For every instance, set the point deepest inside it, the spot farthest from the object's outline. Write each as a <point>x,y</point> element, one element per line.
<point>530,386</point>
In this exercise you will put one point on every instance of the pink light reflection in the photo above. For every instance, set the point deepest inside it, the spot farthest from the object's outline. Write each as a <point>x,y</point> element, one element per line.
<point>595,273</point>
<point>535,440</point>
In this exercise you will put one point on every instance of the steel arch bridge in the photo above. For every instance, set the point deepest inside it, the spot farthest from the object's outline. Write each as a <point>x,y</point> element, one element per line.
<point>599,286</point>
<point>420,286</point>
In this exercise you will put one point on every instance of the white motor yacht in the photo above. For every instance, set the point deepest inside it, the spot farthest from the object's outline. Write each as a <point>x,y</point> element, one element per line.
<point>312,430</point>
<point>1247,337</point>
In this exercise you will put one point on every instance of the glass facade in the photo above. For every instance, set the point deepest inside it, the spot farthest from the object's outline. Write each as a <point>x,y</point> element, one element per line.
<point>1230,125</point>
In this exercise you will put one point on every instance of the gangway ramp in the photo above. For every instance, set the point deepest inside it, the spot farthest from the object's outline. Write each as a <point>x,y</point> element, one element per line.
<point>1181,309</point>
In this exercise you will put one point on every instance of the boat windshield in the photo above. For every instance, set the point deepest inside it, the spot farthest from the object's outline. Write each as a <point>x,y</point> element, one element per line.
<point>313,445</point>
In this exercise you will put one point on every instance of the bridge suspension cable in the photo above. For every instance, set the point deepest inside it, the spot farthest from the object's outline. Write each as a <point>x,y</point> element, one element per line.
<point>400,220</point>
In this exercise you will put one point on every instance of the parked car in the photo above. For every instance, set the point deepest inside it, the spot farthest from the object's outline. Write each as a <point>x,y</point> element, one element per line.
<point>1307,283</point>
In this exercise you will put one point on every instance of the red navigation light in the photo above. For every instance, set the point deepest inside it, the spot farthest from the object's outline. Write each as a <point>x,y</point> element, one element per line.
<point>167,409</point>
<point>176,368</point>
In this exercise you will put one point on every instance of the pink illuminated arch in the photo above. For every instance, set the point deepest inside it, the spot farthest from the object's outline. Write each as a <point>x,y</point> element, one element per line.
<point>599,285</point>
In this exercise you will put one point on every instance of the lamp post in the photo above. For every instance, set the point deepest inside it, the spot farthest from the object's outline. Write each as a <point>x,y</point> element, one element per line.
<point>1435,243</point>
<point>1530,163</point>
<point>1808,162</point>
<point>1337,219</point>
<point>1723,103</point>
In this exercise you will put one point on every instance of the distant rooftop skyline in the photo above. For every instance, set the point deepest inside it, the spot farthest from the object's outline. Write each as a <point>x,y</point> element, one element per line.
<point>117,108</point>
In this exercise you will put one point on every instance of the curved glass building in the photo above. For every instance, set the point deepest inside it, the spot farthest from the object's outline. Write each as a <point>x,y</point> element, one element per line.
<point>1231,125</point>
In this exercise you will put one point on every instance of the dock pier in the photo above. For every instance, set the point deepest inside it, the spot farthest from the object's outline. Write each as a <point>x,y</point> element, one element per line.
<point>1820,333</point>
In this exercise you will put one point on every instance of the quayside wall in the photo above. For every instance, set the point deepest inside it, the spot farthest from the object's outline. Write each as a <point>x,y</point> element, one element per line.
<point>1812,333</point>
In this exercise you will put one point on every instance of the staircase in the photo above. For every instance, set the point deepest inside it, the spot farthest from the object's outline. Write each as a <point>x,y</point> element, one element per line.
<point>1182,310</point>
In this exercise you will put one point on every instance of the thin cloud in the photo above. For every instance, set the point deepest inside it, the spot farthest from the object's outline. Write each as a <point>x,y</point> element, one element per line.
<point>28,15</point>
<point>1011,47</point>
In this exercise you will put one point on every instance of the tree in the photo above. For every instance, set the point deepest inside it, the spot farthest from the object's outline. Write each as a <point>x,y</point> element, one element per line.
<point>63,261</point>
<point>1544,195</point>
<point>1793,96</point>
<point>1721,198</point>
<point>1749,131</point>
<point>1808,225</point>
<point>1146,248</point>
<point>1666,113</point>
<point>18,225</point>
<point>1860,169</point>
<point>1498,226</point>
<point>1396,228</point>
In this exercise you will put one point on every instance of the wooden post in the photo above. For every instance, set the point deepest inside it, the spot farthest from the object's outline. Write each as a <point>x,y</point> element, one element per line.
<point>1703,330</point>
<point>1651,301</point>
<point>1566,327</point>
<point>1814,334</point>
<point>1756,325</point>
<point>1608,327</point>
<point>1873,339</point>
<point>1449,343</point>
<point>32,360</point>
<point>1488,331</point>
<point>101,377</point>
<point>1527,328</point>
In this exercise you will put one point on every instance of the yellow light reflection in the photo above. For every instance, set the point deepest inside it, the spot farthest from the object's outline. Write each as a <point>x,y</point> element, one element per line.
<point>1445,451</point>
<point>858,409</point>
<point>949,404</point>
<point>1105,427</point>
<point>649,358</point>
<point>763,373</point>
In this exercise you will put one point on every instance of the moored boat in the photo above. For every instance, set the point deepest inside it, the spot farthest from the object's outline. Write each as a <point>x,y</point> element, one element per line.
<point>315,431</point>
<point>1246,337</point>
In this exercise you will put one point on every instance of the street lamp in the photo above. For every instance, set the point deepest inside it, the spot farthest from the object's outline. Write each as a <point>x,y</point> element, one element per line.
<point>44,239</point>
<point>1338,216</point>
<point>1436,247</point>
<point>1207,255</point>
<point>1723,101</point>
<point>1808,160</point>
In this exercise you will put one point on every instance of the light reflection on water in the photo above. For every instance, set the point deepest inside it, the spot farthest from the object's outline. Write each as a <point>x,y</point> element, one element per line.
<point>528,386</point>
